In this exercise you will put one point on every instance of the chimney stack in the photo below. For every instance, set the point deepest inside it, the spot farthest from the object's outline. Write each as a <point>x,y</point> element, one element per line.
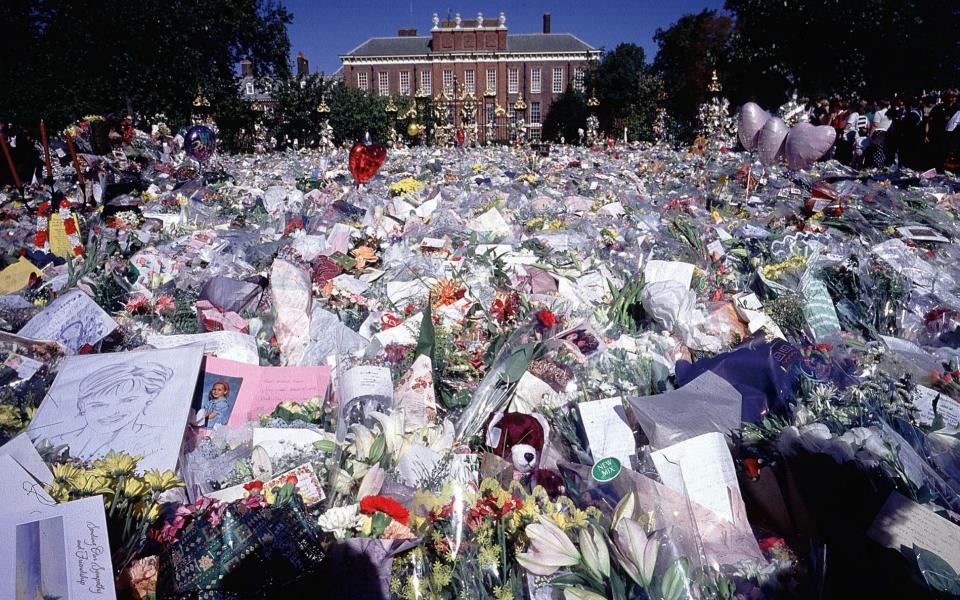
<point>303,65</point>
<point>546,22</point>
<point>246,68</point>
<point>407,32</point>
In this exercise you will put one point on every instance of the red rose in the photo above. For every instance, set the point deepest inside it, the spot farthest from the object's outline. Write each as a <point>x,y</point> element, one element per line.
<point>388,506</point>
<point>547,318</point>
<point>254,486</point>
<point>771,543</point>
<point>752,467</point>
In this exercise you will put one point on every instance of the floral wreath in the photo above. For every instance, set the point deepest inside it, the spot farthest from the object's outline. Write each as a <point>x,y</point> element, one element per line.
<point>42,239</point>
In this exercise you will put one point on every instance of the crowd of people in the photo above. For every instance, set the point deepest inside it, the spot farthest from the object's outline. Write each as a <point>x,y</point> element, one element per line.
<point>919,132</point>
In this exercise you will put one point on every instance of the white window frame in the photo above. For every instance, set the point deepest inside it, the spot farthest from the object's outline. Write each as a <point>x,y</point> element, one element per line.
<point>447,81</point>
<point>426,82</point>
<point>513,80</point>
<point>579,77</point>
<point>363,80</point>
<point>383,83</point>
<point>470,81</point>
<point>249,88</point>
<point>556,83</point>
<point>404,83</point>
<point>491,80</point>
<point>535,113</point>
<point>536,80</point>
<point>490,115</point>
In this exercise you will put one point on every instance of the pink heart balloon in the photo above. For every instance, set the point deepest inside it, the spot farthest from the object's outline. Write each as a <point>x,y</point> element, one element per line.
<point>751,121</point>
<point>806,143</point>
<point>771,140</point>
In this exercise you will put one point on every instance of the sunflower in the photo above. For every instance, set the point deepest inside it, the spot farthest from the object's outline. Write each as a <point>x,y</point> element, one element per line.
<point>65,474</point>
<point>161,481</point>
<point>117,464</point>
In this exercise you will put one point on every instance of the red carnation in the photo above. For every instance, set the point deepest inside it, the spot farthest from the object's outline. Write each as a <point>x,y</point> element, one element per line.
<point>254,486</point>
<point>388,506</point>
<point>752,467</point>
<point>547,318</point>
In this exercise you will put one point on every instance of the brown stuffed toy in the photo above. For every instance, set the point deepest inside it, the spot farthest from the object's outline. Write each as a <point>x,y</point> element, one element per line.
<point>520,439</point>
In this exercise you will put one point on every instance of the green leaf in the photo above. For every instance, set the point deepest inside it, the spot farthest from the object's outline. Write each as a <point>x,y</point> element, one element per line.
<point>379,522</point>
<point>325,446</point>
<point>617,589</point>
<point>427,342</point>
<point>517,362</point>
<point>939,575</point>
<point>568,580</point>
<point>376,449</point>
<point>673,584</point>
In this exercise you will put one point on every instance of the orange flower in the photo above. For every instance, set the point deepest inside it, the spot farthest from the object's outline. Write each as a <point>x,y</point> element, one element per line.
<point>364,255</point>
<point>446,292</point>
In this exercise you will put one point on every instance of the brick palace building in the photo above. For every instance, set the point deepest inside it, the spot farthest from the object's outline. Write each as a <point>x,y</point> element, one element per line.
<point>479,76</point>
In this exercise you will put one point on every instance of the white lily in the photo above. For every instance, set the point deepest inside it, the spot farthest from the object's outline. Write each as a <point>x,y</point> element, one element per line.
<point>362,440</point>
<point>596,557</point>
<point>624,509</point>
<point>392,428</point>
<point>636,552</point>
<point>579,593</point>
<point>550,549</point>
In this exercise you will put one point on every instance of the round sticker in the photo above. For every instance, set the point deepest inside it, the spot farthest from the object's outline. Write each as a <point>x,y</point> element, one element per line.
<point>606,469</point>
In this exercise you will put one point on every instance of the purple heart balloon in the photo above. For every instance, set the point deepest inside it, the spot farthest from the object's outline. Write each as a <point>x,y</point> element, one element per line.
<point>807,143</point>
<point>752,120</point>
<point>771,140</point>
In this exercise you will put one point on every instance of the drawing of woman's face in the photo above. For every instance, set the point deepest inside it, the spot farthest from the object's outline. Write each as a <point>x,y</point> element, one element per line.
<point>219,390</point>
<point>112,413</point>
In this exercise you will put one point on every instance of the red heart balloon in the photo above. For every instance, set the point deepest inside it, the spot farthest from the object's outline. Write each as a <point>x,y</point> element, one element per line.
<point>366,160</point>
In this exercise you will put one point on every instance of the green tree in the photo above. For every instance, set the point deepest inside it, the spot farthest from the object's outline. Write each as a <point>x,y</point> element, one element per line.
<point>295,115</point>
<point>628,92</point>
<point>354,112</point>
<point>866,47</point>
<point>69,58</point>
<point>689,51</point>
<point>568,113</point>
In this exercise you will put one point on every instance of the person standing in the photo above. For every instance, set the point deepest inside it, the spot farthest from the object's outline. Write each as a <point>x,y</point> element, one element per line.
<point>937,128</point>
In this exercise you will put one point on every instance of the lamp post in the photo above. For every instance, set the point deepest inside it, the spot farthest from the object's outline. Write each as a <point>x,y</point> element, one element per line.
<point>520,108</point>
<point>593,123</point>
<point>391,110</point>
<point>326,132</point>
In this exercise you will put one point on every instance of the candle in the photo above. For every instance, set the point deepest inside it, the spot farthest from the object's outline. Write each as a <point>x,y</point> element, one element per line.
<point>46,148</point>
<point>13,168</point>
<point>73,156</point>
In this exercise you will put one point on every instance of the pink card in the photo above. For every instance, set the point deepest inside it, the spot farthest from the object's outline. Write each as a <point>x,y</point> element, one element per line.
<point>236,393</point>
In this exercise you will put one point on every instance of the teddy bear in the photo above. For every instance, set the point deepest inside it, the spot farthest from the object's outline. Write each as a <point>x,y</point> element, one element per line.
<point>520,439</point>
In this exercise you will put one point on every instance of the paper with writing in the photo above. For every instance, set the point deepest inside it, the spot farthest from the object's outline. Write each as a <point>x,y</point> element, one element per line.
<point>415,395</point>
<point>58,551</point>
<point>73,320</point>
<point>230,345</point>
<point>19,491</point>
<point>252,391</point>
<point>902,523</point>
<point>948,408</point>
<point>702,468</point>
<point>608,434</point>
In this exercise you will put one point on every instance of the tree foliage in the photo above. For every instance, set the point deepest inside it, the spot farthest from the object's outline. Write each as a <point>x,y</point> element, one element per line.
<point>866,47</point>
<point>628,92</point>
<point>689,51</point>
<point>568,113</point>
<point>64,59</point>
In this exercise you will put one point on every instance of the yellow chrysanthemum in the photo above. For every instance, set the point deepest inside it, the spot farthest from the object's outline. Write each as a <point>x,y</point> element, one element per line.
<point>149,512</point>
<point>160,482</point>
<point>502,593</point>
<point>117,464</point>
<point>134,487</point>
<point>441,575</point>
<point>488,556</point>
<point>66,473</point>
<point>89,483</point>
<point>59,492</point>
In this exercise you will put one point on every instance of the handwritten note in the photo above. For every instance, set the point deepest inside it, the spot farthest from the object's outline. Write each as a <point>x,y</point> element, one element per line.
<point>947,407</point>
<point>261,389</point>
<point>73,319</point>
<point>702,468</point>
<point>21,450</point>
<point>604,422</point>
<point>18,489</point>
<point>230,345</point>
<point>903,522</point>
<point>68,540</point>
<point>364,381</point>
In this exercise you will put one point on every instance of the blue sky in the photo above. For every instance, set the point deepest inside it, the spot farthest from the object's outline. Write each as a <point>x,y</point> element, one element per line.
<point>323,29</point>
